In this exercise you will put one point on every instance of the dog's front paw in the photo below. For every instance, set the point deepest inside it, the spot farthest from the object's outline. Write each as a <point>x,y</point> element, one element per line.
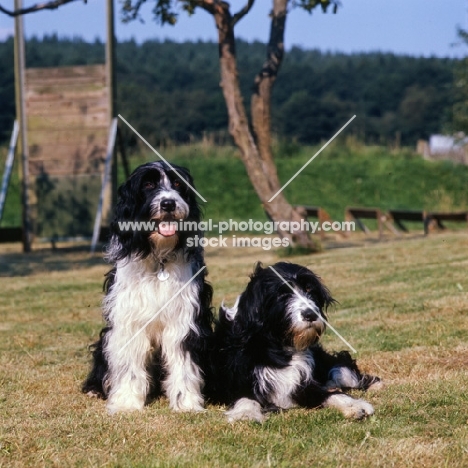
<point>350,407</point>
<point>187,402</point>
<point>121,404</point>
<point>94,394</point>
<point>360,409</point>
<point>245,409</point>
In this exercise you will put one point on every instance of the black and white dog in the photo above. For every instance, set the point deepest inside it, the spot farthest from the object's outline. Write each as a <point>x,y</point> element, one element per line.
<point>157,323</point>
<point>268,353</point>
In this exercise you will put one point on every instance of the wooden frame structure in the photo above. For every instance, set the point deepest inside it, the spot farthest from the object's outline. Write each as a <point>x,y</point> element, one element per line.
<point>68,130</point>
<point>46,101</point>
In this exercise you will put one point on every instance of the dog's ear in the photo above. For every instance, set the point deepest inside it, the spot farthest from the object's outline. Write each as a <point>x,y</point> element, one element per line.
<point>254,301</point>
<point>128,204</point>
<point>325,296</point>
<point>257,269</point>
<point>127,201</point>
<point>130,195</point>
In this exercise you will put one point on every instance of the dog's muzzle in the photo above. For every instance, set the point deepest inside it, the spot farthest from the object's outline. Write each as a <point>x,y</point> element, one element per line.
<point>309,333</point>
<point>166,217</point>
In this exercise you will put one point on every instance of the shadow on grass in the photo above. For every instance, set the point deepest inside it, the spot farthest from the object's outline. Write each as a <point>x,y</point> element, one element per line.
<point>13,262</point>
<point>66,257</point>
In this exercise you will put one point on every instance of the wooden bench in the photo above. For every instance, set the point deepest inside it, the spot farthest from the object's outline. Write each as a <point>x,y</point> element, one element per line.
<point>427,218</point>
<point>438,217</point>
<point>383,220</point>
<point>315,212</point>
<point>408,215</point>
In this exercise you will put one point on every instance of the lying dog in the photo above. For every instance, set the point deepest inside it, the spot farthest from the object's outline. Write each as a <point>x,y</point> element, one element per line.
<point>268,357</point>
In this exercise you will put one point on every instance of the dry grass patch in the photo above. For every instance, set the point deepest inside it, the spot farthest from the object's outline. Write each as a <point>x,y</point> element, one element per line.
<point>402,304</point>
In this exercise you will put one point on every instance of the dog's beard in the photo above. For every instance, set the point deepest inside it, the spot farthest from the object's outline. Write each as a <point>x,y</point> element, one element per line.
<point>306,337</point>
<point>163,245</point>
<point>165,237</point>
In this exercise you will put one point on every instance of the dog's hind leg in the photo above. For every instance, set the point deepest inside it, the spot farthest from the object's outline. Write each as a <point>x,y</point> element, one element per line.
<point>345,378</point>
<point>93,385</point>
<point>340,371</point>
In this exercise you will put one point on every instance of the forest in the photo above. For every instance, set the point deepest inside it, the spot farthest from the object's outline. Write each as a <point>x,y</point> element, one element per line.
<point>170,91</point>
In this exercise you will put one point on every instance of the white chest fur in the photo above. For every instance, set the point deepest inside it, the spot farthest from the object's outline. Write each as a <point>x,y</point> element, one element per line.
<point>280,384</point>
<point>138,296</point>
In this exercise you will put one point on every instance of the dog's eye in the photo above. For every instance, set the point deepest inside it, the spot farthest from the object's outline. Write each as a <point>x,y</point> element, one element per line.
<point>149,185</point>
<point>177,183</point>
<point>286,287</point>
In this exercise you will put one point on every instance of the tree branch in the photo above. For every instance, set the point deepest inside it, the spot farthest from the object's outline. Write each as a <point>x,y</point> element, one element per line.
<point>130,12</point>
<point>241,13</point>
<point>52,5</point>
<point>211,6</point>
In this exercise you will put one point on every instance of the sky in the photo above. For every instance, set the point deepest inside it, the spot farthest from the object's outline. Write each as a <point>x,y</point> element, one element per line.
<point>412,27</point>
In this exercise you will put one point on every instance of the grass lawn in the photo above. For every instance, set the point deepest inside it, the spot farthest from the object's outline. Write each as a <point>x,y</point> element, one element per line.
<point>403,304</point>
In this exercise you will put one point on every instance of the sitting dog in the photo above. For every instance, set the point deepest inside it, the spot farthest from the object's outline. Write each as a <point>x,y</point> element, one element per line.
<point>268,357</point>
<point>157,305</point>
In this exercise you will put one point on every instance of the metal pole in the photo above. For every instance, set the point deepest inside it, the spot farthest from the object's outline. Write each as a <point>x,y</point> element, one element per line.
<point>8,167</point>
<point>107,175</point>
<point>21,117</point>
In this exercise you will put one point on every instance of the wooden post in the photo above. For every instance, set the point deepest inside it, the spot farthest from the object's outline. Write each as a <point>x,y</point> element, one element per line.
<point>111,198</point>
<point>110,58</point>
<point>21,117</point>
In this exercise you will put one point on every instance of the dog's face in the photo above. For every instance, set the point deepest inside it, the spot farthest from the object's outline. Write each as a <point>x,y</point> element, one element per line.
<point>164,193</point>
<point>288,300</point>
<point>306,302</point>
<point>159,195</point>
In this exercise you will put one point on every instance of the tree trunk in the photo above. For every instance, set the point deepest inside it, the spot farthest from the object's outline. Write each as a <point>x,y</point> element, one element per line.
<point>263,84</point>
<point>256,153</point>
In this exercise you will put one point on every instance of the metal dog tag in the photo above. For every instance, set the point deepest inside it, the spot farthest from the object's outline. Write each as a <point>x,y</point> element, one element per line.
<point>163,275</point>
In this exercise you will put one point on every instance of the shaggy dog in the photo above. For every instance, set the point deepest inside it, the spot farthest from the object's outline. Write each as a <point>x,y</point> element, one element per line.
<point>268,357</point>
<point>157,303</point>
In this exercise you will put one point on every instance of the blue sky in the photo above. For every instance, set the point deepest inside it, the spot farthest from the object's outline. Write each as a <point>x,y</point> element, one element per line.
<point>415,27</point>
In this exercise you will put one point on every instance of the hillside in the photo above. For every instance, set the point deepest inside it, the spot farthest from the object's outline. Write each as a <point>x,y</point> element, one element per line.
<point>341,176</point>
<point>170,91</point>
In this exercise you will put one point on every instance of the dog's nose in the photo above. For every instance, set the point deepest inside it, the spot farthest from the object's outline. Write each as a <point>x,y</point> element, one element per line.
<point>168,205</point>
<point>309,314</point>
